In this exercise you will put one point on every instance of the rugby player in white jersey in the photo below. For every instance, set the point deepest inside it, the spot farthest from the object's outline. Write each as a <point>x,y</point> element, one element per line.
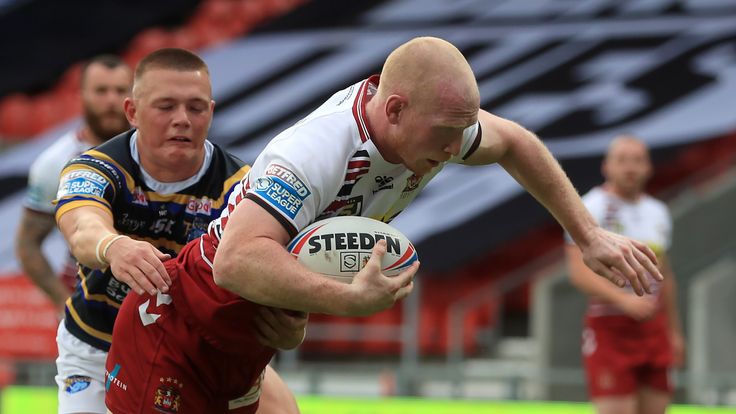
<point>403,127</point>
<point>105,83</point>
<point>630,343</point>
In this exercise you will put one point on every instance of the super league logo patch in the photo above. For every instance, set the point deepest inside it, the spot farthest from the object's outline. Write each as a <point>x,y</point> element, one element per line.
<point>75,383</point>
<point>83,183</point>
<point>283,189</point>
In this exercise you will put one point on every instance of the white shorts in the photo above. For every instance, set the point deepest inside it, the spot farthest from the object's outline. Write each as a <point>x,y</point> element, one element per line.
<point>80,375</point>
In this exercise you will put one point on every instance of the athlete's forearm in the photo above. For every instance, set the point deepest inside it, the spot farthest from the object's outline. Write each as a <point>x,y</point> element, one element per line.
<point>88,231</point>
<point>33,229</point>
<point>534,167</point>
<point>262,271</point>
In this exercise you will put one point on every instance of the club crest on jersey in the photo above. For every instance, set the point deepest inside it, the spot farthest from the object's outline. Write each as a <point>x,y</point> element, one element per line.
<point>139,197</point>
<point>282,189</point>
<point>167,398</point>
<point>75,383</point>
<point>412,183</point>
<point>82,183</point>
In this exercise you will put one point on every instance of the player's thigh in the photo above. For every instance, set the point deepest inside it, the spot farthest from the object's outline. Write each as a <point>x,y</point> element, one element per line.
<point>609,371</point>
<point>80,375</point>
<point>653,401</point>
<point>276,398</point>
<point>623,404</point>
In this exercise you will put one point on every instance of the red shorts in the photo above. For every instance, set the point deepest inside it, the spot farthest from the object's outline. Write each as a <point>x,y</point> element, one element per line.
<point>191,351</point>
<point>622,355</point>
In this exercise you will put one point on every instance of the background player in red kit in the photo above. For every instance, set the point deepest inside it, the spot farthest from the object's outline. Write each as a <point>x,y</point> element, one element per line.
<point>422,113</point>
<point>629,342</point>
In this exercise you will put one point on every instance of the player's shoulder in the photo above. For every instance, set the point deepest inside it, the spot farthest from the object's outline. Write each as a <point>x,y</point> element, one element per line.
<point>594,197</point>
<point>52,159</point>
<point>112,159</point>
<point>225,168</point>
<point>652,203</point>
<point>227,158</point>
<point>116,148</point>
<point>330,132</point>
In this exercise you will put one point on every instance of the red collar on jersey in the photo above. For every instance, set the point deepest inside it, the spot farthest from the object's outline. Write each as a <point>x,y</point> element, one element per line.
<point>367,87</point>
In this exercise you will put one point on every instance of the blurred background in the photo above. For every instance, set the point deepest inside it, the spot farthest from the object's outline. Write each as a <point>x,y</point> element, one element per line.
<point>493,316</point>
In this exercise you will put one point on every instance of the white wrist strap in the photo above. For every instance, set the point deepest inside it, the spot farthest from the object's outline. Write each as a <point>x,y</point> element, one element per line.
<point>109,243</point>
<point>97,249</point>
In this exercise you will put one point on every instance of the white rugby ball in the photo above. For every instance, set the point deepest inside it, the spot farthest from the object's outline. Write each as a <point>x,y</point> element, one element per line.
<point>340,246</point>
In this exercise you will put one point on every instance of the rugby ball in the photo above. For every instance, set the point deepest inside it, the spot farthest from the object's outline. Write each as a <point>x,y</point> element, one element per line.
<point>340,246</point>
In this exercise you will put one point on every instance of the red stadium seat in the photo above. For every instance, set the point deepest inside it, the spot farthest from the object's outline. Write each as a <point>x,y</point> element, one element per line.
<point>16,116</point>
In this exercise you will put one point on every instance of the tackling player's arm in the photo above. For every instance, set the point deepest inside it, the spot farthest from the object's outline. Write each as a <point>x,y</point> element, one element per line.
<point>526,158</point>
<point>34,228</point>
<point>85,218</point>
<point>93,240</point>
<point>252,262</point>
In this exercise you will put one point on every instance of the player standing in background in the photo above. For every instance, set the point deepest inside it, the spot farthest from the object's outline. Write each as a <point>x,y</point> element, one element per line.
<point>106,81</point>
<point>403,128</point>
<point>134,201</point>
<point>630,343</point>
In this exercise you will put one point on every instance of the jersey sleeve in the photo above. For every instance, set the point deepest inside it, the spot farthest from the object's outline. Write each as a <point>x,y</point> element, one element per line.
<point>42,187</point>
<point>471,141</point>
<point>293,178</point>
<point>88,181</point>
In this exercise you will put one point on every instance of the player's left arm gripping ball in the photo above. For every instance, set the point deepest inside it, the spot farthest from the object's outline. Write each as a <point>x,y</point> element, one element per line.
<point>280,328</point>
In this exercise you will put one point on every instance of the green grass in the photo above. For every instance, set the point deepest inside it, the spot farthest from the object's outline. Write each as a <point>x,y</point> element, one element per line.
<point>24,400</point>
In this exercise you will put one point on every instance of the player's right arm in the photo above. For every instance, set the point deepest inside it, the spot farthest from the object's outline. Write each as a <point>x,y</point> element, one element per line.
<point>252,262</point>
<point>34,227</point>
<point>85,218</point>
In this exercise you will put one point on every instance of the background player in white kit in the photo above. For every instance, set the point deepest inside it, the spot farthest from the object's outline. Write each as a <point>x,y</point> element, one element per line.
<point>105,83</point>
<point>629,343</point>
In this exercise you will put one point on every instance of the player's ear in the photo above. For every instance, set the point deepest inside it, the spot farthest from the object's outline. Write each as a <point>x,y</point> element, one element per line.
<point>130,111</point>
<point>395,105</point>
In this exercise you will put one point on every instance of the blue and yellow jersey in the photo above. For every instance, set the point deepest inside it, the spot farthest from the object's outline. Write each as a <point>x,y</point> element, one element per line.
<point>109,177</point>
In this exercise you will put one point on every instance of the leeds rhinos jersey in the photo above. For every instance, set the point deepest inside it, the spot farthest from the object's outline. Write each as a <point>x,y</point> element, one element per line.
<point>167,215</point>
<point>326,165</point>
<point>646,220</point>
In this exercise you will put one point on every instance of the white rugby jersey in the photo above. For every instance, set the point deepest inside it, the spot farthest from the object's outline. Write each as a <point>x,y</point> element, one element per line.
<point>43,177</point>
<point>327,165</point>
<point>646,220</point>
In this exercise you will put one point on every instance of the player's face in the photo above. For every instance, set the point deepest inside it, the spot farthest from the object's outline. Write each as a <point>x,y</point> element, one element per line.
<point>103,93</point>
<point>627,167</point>
<point>430,137</point>
<point>172,111</point>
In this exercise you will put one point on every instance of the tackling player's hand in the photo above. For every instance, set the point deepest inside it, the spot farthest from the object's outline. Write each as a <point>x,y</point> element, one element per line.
<point>373,291</point>
<point>280,328</point>
<point>618,258</point>
<point>139,265</point>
